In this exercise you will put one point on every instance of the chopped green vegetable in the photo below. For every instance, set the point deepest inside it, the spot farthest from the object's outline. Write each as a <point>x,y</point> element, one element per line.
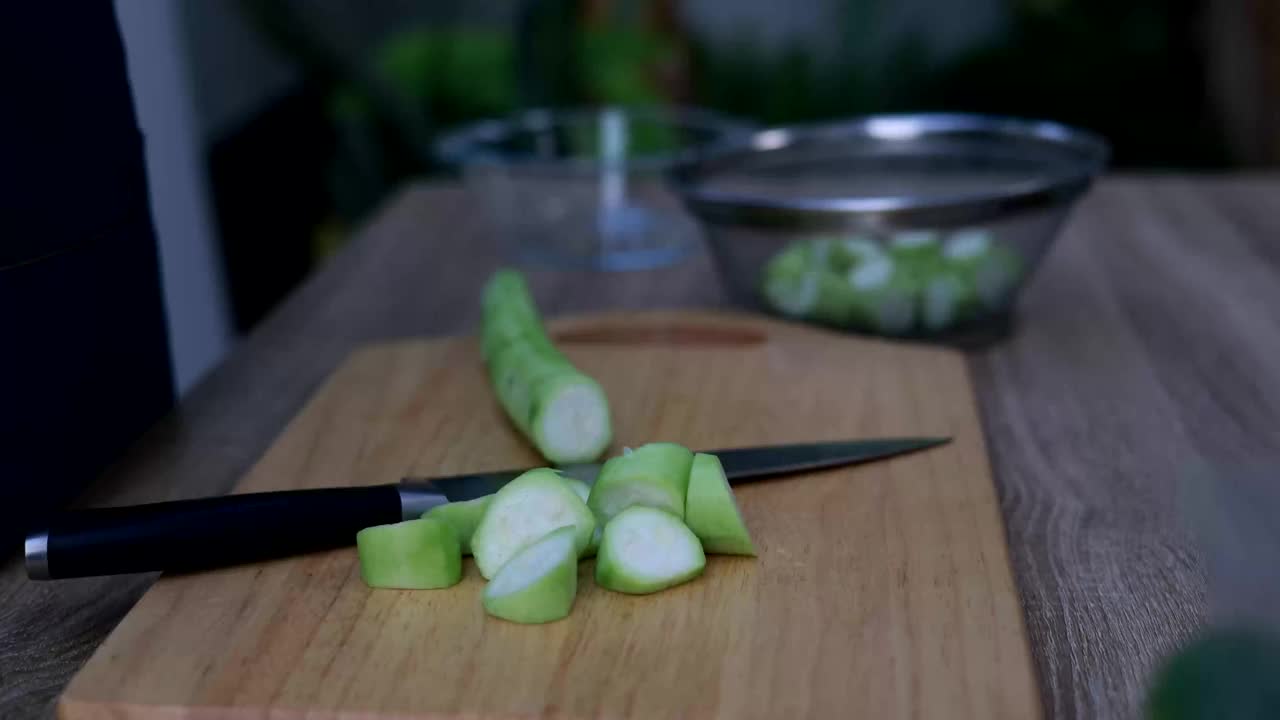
<point>655,475</point>
<point>849,253</point>
<point>948,299</point>
<point>913,281</point>
<point>794,296</point>
<point>583,491</point>
<point>916,248</point>
<point>885,295</point>
<point>538,583</point>
<point>645,550</point>
<point>791,281</point>
<point>593,547</point>
<point>463,517</point>
<point>837,304</point>
<point>562,411</point>
<point>711,511</point>
<point>524,510</point>
<point>415,554</point>
<point>579,488</point>
<point>994,270</point>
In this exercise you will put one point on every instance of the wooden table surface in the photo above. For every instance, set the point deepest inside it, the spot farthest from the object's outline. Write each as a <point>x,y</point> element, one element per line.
<point>1147,345</point>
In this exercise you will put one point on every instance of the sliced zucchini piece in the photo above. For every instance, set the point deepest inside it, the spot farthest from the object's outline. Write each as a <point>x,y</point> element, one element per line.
<point>656,475</point>
<point>644,550</point>
<point>412,555</point>
<point>578,487</point>
<point>885,296</point>
<point>948,299</point>
<point>524,510</point>
<point>539,583</point>
<point>463,516</point>
<point>994,271</point>
<point>851,252</point>
<point>711,511</point>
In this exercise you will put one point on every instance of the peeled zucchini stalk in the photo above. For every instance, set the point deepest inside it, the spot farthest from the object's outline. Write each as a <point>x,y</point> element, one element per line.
<point>413,555</point>
<point>645,550</point>
<point>538,584</point>
<point>463,517</point>
<point>524,510</point>
<point>562,411</point>
<point>655,475</point>
<point>712,513</point>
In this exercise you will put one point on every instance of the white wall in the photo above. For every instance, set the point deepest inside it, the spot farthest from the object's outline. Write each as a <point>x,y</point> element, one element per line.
<point>200,331</point>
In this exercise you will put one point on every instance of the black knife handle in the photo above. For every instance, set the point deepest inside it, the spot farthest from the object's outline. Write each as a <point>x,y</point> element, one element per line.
<point>212,532</point>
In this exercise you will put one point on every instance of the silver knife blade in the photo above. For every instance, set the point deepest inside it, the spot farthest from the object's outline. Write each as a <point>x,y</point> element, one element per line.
<point>740,465</point>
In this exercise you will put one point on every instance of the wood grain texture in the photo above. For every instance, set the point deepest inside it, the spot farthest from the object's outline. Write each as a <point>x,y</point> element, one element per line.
<point>1146,342</point>
<point>881,591</point>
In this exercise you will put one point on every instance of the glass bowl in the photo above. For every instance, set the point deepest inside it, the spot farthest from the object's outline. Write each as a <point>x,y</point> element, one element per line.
<point>917,226</point>
<point>586,188</point>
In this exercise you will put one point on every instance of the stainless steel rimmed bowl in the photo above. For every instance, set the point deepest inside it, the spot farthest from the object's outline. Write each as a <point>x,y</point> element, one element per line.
<point>920,225</point>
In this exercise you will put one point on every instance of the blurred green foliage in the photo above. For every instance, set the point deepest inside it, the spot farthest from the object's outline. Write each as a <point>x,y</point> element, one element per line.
<point>443,77</point>
<point>1225,672</point>
<point>1131,71</point>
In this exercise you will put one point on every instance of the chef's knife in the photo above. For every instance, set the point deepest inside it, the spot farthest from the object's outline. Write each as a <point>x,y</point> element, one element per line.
<point>213,532</point>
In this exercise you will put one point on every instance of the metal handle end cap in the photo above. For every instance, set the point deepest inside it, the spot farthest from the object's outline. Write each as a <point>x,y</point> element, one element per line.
<point>36,550</point>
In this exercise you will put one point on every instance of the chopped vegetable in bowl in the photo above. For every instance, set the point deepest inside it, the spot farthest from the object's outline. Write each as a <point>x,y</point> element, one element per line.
<point>914,282</point>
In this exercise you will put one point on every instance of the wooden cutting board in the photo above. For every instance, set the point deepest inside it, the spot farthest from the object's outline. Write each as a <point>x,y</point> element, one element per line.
<point>882,590</point>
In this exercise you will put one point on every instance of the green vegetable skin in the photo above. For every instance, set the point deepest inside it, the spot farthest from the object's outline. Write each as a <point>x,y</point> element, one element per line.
<point>463,516</point>
<point>583,491</point>
<point>524,510</point>
<point>645,550</point>
<point>414,555</point>
<point>562,411</point>
<point>539,583</point>
<point>711,511</point>
<point>655,475</point>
